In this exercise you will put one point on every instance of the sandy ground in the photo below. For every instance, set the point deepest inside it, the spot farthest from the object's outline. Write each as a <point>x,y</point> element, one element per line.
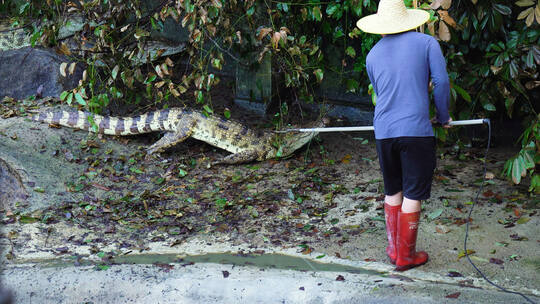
<point>324,202</point>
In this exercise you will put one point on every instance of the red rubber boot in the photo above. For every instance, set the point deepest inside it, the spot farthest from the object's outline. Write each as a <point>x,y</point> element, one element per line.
<point>407,257</point>
<point>391,217</point>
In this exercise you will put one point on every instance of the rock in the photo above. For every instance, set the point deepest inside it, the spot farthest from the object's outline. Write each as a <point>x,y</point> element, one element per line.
<point>27,164</point>
<point>23,71</point>
<point>36,172</point>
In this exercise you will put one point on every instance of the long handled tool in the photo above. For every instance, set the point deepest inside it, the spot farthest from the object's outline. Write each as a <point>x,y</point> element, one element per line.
<point>370,128</point>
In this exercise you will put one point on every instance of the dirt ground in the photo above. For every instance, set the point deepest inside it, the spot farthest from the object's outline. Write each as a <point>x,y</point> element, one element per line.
<point>326,199</point>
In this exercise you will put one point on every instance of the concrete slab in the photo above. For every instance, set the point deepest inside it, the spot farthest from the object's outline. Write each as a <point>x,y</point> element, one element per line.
<point>215,283</point>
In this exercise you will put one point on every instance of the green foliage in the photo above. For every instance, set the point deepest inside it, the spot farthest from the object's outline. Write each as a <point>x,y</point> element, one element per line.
<point>493,58</point>
<point>492,50</point>
<point>526,161</point>
<point>300,37</point>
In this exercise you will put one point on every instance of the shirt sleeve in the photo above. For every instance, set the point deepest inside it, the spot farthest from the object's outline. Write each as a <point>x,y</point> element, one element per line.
<point>441,83</point>
<point>370,72</point>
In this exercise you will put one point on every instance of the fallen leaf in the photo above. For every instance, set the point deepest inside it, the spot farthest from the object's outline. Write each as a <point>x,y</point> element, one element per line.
<point>479,259</point>
<point>71,69</point>
<point>490,175</point>
<point>24,219</point>
<point>13,235</point>
<point>166,267</point>
<point>63,49</point>
<point>516,237</point>
<point>435,214</point>
<point>496,261</point>
<point>110,229</point>
<point>346,159</point>
<point>62,249</point>
<point>441,178</point>
<point>523,220</point>
<point>307,250</point>
<point>462,253</point>
<point>157,68</point>
<point>460,221</point>
<point>533,84</point>
<point>442,229</point>
<point>101,187</point>
<point>63,67</point>
<point>169,62</point>
<point>488,193</point>
<point>454,295</point>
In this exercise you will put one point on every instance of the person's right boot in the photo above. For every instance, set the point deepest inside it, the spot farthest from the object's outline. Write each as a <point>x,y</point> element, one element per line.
<point>407,257</point>
<point>391,218</point>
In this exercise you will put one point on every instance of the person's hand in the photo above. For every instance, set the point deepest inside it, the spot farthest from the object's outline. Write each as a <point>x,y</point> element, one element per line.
<point>447,124</point>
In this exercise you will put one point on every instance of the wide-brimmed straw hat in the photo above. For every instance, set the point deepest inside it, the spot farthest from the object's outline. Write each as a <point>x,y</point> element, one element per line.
<point>392,17</point>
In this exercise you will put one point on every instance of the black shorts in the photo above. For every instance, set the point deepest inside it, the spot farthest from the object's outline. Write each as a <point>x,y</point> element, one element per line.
<point>407,165</point>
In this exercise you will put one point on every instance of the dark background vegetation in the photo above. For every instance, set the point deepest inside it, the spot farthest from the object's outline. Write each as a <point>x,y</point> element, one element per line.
<point>492,51</point>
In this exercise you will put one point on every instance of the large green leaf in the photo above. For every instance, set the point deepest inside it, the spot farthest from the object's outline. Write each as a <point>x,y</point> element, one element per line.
<point>319,74</point>
<point>535,183</point>
<point>528,154</point>
<point>503,9</point>
<point>509,103</point>
<point>518,169</point>
<point>462,92</point>
<point>80,99</point>
<point>489,107</point>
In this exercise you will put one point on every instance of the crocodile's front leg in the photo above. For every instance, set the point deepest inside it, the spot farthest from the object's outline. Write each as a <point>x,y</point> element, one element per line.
<point>184,129</point>
<point>240,157</point>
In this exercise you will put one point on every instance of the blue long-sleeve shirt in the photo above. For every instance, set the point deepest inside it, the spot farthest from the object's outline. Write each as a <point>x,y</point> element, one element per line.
<point>399,67</point>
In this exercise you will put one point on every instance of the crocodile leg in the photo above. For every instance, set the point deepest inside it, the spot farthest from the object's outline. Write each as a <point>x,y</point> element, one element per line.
<point>184,129</point>
<point>237,158</point>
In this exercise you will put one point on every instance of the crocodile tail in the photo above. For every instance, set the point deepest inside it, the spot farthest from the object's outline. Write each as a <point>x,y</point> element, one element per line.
<point>145,123</point>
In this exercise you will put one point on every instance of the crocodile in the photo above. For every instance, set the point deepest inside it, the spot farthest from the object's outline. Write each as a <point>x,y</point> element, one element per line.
<point>245,144</point>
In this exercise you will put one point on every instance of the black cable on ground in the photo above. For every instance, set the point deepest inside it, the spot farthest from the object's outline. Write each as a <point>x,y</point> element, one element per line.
<point>469,220</point>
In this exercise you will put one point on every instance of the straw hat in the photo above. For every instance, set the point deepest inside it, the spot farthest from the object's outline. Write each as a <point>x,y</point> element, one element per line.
<point>392,17</point>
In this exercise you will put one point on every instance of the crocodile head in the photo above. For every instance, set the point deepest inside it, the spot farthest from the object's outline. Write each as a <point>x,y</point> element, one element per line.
<point>289,142</point>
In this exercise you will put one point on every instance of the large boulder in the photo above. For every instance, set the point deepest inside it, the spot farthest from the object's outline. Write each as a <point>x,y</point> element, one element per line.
<point>23,71</point>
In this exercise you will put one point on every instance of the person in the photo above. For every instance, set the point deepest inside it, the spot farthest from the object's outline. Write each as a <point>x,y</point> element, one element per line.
<point>400,67</point>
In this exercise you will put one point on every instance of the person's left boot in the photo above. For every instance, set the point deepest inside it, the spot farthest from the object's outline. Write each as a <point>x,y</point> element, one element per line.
<point>407,256</point>
<point>391,218</point>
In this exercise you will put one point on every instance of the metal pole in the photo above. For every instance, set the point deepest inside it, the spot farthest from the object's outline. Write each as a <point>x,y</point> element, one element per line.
<point>370,128</point>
